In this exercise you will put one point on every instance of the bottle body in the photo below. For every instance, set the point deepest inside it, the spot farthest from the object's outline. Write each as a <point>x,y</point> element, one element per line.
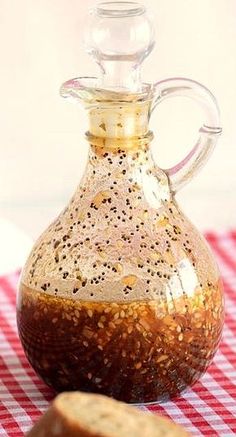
<point>121,295</point>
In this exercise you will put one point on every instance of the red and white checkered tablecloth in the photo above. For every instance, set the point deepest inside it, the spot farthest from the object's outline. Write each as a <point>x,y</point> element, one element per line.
<point>208,409</point>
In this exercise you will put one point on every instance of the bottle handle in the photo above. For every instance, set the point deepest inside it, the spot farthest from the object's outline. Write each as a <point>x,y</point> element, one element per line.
<point>183,172</point>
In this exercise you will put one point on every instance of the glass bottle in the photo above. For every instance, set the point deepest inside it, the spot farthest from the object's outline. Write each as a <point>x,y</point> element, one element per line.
<point>121,295</point>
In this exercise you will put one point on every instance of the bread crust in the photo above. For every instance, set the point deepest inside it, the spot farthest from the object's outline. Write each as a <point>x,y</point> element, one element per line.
<point>61,421</point>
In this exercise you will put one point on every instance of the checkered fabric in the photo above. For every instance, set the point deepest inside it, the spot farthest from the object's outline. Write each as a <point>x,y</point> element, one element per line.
<point>208,409</point>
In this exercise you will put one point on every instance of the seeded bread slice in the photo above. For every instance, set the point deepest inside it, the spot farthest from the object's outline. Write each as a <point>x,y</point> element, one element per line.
<point>78,414</point>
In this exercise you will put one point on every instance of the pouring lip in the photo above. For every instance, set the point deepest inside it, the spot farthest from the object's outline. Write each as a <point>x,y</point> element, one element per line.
<point>86,89</point>
<point>118,9</point>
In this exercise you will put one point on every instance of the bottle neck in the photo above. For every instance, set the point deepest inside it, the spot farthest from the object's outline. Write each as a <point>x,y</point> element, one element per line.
<point>121,126</point>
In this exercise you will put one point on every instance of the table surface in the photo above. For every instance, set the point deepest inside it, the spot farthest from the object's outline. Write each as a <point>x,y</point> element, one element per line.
<point>207,409</point>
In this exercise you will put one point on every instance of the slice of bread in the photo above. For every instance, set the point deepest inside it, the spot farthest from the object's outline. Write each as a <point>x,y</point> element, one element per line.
<point>79,414</point>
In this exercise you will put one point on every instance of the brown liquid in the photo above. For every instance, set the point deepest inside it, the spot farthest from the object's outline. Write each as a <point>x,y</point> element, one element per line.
<point>135,351</point>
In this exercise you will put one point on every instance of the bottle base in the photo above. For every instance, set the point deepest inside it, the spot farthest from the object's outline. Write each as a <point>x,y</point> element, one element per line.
<point>136,351</point>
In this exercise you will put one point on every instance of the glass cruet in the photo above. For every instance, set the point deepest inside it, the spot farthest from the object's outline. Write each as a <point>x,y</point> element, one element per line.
<point>121,295</point>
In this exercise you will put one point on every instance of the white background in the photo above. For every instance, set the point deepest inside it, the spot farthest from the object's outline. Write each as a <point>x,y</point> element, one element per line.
<point>42,148</point>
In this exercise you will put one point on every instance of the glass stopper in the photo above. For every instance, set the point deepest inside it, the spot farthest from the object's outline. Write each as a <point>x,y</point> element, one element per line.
<point>119,36</point>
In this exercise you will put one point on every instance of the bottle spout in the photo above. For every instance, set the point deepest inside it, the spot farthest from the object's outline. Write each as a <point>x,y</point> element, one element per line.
<point>119,36</point>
